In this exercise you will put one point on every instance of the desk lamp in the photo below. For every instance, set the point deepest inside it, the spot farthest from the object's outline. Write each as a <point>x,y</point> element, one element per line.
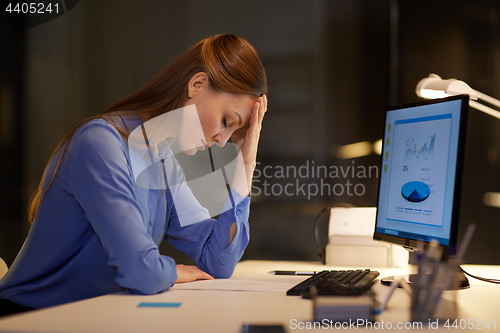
<point>434,86</point>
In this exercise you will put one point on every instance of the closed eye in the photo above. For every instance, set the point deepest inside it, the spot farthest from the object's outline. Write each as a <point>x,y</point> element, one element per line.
<point>233,123</point>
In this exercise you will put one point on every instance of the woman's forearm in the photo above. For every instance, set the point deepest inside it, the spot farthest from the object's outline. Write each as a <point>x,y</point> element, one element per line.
<point>243,175</point>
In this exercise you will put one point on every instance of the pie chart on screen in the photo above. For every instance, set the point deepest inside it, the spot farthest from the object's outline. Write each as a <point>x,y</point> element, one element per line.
<point>415,191</point>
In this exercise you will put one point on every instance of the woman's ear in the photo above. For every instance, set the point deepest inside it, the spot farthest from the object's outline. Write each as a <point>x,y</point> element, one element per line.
<point>197,82</point>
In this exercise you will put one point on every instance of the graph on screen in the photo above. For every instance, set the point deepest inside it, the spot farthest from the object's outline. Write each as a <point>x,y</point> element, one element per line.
<point>421,147</point>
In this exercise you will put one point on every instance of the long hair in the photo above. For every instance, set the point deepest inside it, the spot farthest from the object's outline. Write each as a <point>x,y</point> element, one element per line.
<point>231,64</point>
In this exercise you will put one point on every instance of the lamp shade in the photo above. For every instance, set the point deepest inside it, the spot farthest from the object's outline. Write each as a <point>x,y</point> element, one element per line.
<point>434,86</point>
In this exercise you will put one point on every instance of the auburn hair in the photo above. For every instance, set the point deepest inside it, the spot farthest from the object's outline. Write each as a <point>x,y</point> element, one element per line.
<point>231,64</point>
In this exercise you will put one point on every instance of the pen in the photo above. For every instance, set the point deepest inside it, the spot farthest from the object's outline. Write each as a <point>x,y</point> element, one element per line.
<point>291,273</point>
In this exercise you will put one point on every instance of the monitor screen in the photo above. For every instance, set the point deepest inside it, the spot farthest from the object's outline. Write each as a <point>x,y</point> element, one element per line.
<point>421,172</point>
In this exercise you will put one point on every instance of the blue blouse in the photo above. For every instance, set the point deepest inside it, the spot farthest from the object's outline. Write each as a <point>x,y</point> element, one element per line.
<point>97,232</point>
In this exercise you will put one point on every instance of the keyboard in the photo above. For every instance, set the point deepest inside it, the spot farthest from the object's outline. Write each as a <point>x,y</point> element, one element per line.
<point>336,282</point>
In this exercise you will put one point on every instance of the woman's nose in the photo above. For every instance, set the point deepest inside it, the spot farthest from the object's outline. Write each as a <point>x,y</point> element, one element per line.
<point>221,143</point>
<point>222,138</point>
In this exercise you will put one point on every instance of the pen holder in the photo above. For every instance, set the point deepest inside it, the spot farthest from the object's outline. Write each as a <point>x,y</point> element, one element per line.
<point>434,296</point>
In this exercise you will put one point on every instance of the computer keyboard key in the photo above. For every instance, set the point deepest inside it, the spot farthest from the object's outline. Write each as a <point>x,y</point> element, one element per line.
<point>366,281</point>
<point>350,276</point>
<point>343,275</point>
<point>358,277</point>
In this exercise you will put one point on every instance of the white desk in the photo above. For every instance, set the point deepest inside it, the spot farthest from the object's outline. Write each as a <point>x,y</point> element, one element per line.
<point>227,311</point>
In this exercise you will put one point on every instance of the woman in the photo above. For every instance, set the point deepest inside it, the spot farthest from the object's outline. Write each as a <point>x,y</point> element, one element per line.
<point>96,229</point>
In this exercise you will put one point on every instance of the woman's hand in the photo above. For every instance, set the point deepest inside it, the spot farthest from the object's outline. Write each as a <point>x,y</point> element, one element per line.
<point>190,274</point>
<point>247,138</point>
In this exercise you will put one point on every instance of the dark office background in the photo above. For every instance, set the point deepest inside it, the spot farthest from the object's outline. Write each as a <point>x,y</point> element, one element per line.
<point>333,67</point>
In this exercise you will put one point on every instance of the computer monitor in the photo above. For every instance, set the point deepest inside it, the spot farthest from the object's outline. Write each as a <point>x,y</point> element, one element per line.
<point>420,181</point>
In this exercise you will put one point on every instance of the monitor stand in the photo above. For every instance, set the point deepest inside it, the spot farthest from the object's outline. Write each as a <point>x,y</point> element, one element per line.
<point>461,281</point>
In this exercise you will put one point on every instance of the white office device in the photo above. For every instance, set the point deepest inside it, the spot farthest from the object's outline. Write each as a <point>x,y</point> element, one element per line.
<point>350,241</point>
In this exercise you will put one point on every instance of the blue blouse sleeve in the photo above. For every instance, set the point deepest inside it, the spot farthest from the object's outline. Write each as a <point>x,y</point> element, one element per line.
<point>207,241</point>
<point>103,185</point>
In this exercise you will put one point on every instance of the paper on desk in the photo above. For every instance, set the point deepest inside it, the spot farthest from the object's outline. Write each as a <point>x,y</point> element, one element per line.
<point>235,285</point>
